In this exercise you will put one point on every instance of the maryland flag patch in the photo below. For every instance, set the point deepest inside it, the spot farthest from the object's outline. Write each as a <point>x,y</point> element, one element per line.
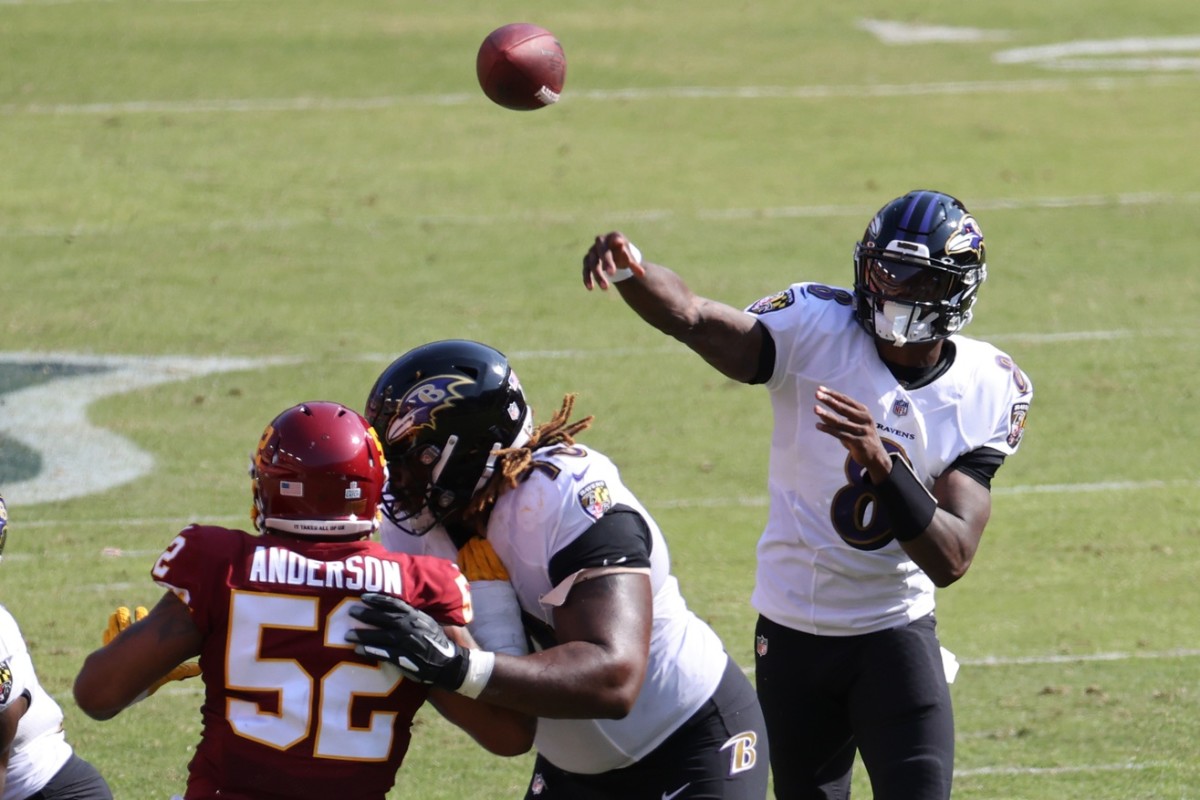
<point>6,683</point>
<point>774,302</point>
<point>1016,423</point>
<point>595,499</point>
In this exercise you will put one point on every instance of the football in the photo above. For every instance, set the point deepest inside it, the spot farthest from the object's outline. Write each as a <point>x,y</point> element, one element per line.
<point>521,66</point>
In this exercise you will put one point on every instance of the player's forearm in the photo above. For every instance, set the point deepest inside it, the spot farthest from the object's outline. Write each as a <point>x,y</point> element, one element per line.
<point>501,731</point>
<point>575,680</point>
<point>103,689</point>
<point>944,550</point>
<point>720,334</point>
<point>661,298</point>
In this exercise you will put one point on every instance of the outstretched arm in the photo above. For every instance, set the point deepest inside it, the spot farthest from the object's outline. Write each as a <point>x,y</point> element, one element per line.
<point>726,337</point>
<point>121,672</point>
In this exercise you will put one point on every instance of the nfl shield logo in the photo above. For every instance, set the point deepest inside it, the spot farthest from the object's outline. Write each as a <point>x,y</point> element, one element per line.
<point>900,408</point>
<point>760,645</point>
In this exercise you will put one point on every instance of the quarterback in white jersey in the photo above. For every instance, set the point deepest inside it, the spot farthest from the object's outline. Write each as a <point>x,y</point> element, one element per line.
<point>635,694</point>
<point>889,427</point>
<point>35,757</point>
<point>828,563</point>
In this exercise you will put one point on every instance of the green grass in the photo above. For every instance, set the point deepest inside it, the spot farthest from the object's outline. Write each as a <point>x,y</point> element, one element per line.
<point>323,183</point>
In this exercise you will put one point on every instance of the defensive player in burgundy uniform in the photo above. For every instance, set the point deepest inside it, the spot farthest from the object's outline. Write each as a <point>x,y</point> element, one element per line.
<point>636,696</point>
<point>889,427</point>
<point>36,761</point>
<point>290,710</point>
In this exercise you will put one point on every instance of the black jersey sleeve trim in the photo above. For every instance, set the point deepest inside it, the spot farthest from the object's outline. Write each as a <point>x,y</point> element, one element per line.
<point>766,357</point>
<point>980,464</point>
<point>620,538</point>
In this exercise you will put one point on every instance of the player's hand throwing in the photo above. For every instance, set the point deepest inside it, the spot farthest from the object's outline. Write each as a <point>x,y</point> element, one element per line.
<point>410,639</point>
<point>608,259</point>
<point>851,423</point>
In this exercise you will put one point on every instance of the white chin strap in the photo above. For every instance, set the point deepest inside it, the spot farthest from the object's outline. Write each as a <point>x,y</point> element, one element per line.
<point>523,436</point>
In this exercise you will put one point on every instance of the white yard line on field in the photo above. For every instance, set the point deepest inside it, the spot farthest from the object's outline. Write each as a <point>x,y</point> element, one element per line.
<point>1135,655</point>
<point>744,501</point>
<point>825,92</point>
<point>734,215</point>
<point>1122,767</point>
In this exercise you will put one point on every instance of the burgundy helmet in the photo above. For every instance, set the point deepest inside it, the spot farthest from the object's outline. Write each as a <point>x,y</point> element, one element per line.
<point>318,471</point>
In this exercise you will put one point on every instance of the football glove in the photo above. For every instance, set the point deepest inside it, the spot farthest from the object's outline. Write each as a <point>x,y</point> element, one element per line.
<point>120,620</point>
<point>410,639</point>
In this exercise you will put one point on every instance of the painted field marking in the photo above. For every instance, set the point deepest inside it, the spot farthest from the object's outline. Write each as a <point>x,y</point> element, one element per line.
<point>1079,768</point>
<point>820,92</point>
<point>86,459</point>
<point>1135,655</point>
<point>1120,200</point>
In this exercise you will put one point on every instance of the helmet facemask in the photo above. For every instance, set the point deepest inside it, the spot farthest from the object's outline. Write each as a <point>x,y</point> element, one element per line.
<point>433,483</point>
<point>918,269</point>
<point>445,412</point>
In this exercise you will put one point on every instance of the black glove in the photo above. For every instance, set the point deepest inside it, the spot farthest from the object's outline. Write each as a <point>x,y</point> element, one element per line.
<point>410,639</point>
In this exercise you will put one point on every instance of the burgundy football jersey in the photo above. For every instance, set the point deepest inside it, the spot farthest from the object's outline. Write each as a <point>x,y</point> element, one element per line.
<point>290,710</point>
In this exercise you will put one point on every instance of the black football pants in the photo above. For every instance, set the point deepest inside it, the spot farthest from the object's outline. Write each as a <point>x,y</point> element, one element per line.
<point>720,753</point>
<point>881,694</point>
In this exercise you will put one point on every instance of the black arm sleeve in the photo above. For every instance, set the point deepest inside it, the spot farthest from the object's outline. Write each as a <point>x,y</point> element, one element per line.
<point>981,464</point>
<point>766,357</point>
<point>620,537</point>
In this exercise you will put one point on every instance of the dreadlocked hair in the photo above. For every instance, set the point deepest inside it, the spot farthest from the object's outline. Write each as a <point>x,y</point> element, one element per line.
<point>513,464</point>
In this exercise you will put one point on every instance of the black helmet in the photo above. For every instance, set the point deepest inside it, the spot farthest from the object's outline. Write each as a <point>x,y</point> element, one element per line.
<point>442,411</point>
<point>918,268</point>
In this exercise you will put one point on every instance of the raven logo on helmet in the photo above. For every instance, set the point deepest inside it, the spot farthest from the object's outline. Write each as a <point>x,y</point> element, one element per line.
<point>968,238</point>
<point>420,405</point>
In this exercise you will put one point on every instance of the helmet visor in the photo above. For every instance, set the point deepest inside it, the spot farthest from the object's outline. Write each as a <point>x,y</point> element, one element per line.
<point>906,281</point>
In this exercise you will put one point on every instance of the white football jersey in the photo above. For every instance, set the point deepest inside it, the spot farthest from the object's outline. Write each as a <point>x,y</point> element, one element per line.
<point>40,748</point>
<point>826,565</point>
<point>567,491</point>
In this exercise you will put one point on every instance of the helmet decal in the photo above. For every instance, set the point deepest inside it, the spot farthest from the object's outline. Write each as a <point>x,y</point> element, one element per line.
<point>967,238</point>
<point>420,405</point>
<point>444,410</point>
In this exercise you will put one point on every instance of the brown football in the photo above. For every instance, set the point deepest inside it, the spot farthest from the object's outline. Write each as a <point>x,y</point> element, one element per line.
<point>521,66</point>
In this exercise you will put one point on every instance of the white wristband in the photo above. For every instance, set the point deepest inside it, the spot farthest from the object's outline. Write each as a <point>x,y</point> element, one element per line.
<point>479,672</point>
<point>625,273</point>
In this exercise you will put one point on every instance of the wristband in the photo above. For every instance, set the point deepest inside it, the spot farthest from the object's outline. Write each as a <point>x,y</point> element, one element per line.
<point>479,671</point>
<point>909,505</point>
<point>625,273</point>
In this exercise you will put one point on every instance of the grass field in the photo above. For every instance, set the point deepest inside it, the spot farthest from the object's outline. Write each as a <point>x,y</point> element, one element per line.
<point>211,210</point>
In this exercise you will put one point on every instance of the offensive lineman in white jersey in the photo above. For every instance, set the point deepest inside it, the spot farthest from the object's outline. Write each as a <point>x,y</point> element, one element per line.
<point>36,761</point>
<point>889,427</point>
<point>635,695</point>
